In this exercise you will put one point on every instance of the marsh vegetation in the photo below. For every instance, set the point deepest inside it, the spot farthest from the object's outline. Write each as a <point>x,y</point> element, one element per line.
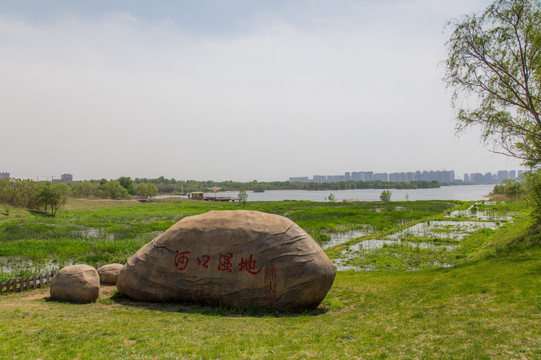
<point>102,231</point>
<point>487,307</point>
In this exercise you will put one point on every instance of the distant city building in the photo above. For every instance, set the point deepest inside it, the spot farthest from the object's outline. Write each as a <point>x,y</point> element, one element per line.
<point>477,178</point>
<point>502,174</point>
<point>489,178</point>
<point>381,177</point>
<point>302,179</point>
<point>362,176</point>
<point>4,175</point>
<point>66,178</point>
<point>442,176</point>
<point>63,178</point>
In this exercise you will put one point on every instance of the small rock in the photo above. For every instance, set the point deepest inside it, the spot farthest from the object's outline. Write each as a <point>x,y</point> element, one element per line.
<point>109,273</point>
<point>77,284</point>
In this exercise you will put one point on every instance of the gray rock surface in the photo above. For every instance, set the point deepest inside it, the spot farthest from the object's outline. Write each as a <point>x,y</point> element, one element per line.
<point>76,283</point>
<point>109,273</point>
<point>231,258</point>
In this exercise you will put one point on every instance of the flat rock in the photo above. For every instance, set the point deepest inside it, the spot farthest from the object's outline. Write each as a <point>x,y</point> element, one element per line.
<point>109,273</point>
<point>76,283</point>
<point>231,258</point>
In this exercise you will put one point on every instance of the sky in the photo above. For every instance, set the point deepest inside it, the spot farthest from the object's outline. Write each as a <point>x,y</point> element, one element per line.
<point>230,89</point>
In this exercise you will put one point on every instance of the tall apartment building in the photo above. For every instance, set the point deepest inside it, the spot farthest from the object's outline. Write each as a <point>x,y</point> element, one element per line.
<point>489,178</point>
<point>503,174</point>
<point>442,176</point>
<point>4,175</point>
<point>362,176</point>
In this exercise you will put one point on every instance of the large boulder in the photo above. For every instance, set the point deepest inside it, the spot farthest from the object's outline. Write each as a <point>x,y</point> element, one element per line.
<point>109,273</point>
<point>231,258</point>
<point>76,283</point>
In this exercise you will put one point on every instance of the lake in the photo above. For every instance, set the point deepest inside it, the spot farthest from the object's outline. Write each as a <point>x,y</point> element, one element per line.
<point>454,192</point>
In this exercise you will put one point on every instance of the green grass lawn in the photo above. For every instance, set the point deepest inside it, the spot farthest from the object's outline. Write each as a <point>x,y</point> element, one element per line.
<point>486,310</point>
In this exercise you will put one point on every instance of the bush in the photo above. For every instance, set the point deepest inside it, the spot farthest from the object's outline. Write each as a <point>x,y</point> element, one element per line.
<point>20,193</point>
<point>112,189</point>
<point>85,189</point>
<point>510,188</point>
<point>385,195</point>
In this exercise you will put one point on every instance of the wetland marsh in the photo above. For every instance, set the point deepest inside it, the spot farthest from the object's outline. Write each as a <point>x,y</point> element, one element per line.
<point>87,231</point>
<point>487,307</point>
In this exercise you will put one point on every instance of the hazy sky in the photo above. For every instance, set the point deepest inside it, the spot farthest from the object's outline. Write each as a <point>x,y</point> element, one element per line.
<point>230,89</point>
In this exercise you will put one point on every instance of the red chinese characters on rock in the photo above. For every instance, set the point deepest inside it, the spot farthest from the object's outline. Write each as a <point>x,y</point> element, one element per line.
<point>181,260</point>
<point>249,265</point>
<point>203,261</point>
<point>225,262</point>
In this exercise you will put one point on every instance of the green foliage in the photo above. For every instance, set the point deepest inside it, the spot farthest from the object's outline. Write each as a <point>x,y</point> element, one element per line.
<point>495,58</point>
<point>385,195</point>
<point>331,197</point>
<point>19,193</point>
<point>321,237</point>
<point>53,196</point>
<point>533,188</point>
<point>112,189</point>
<point>146,190</point>
<point>510,188</point>
<point>85,189</point>
<point>243,196</point>
<point>127,184</point>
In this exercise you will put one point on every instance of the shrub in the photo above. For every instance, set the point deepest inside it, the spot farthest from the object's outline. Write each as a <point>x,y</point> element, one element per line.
<point>385,195</point>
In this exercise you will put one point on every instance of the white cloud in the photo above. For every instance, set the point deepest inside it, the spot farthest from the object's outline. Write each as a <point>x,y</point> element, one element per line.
<point>122,96</point>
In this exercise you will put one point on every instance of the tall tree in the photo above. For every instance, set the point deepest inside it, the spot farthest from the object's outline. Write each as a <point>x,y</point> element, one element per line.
<point>127,183</point>
<point>53,196</point>
<point>494,67</point>
<point>146,190</point>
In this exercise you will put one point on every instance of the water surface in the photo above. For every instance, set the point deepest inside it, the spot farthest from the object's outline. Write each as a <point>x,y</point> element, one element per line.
<point>453,192</point>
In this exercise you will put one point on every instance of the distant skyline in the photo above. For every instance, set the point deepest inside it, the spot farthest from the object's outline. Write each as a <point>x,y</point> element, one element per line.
<point>311,178</point>
<point>230,90</point>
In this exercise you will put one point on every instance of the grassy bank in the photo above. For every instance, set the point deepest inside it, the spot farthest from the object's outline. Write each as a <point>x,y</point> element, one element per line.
<point>490,309</point>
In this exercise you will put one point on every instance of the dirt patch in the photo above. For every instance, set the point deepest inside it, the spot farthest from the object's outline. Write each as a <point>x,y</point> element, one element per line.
<point>107,291</point>
<point>37,294</point>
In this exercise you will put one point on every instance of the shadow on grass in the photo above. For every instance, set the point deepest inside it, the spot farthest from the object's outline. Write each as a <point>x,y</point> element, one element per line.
<point>51,300</point>
<point>192,308</point>
<point>40,213</point>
